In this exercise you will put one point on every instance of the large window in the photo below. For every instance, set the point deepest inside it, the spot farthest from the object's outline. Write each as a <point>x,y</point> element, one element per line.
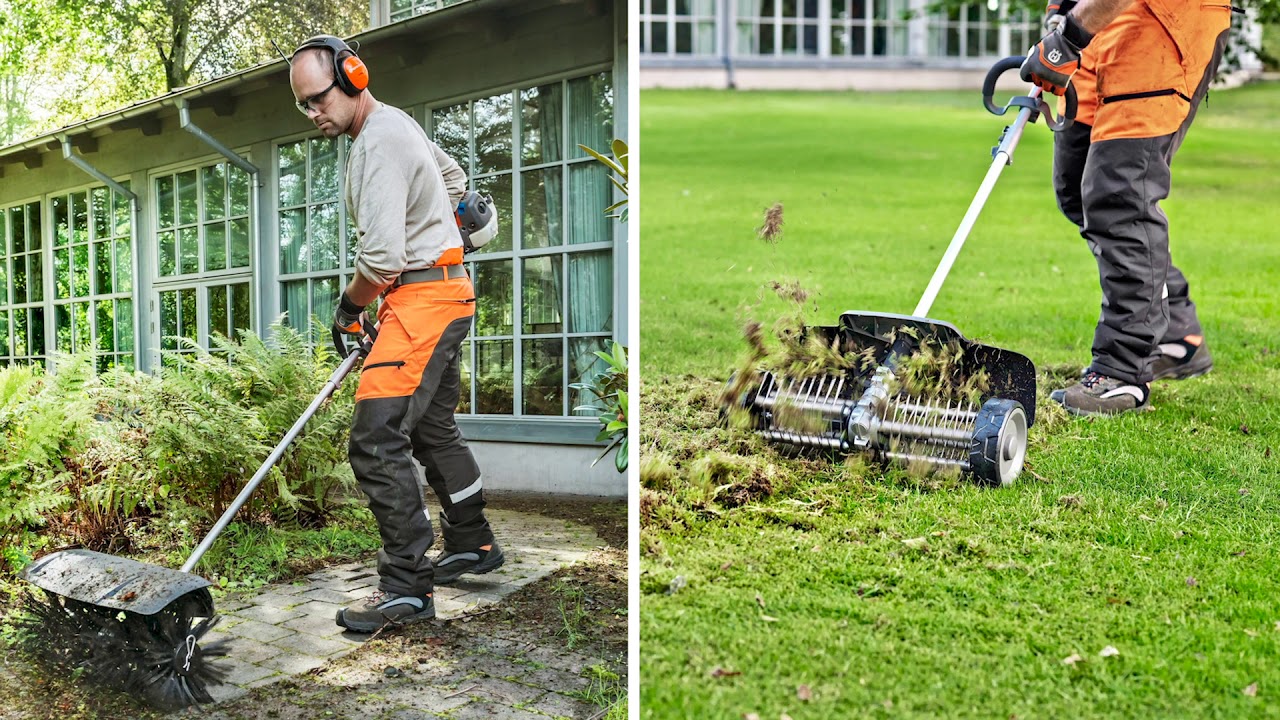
<point>974,31</point>
<point>778,27</point>
<point>317,237</point>
<point>22,287</point>
<point>203,241</point>
<point>544,286</point>
<point>678,27</point>
<point>93,275</point>
<point>868,27</point>
<point>403,9</point>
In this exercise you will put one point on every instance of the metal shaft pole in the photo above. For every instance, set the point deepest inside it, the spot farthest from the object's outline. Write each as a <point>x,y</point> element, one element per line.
<point>1003,157</point>
<point>329,387</point>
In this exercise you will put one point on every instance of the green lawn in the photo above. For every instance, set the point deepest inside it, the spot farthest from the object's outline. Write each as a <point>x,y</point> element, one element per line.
<point>1154,535</point>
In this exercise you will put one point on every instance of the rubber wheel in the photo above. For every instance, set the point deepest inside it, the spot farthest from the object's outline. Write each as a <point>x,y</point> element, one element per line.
<point>999,444</point>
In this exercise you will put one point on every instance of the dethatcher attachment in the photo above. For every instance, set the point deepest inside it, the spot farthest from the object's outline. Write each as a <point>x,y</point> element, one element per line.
<point>866,409</point>
<point>981,430</point>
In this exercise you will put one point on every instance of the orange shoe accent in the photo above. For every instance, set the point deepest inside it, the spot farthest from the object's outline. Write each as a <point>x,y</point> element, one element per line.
<point>486,548</point>
<point>1196,340</point>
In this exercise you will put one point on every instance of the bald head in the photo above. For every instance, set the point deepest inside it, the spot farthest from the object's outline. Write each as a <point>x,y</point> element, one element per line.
<point>322,58</point>
<point>314,83</point>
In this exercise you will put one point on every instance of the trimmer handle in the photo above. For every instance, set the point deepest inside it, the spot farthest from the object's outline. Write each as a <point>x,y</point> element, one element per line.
<point>1033,100</point>
<point>362,345</point>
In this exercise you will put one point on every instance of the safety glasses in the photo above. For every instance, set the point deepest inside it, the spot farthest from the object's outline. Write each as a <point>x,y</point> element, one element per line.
<point>306,105</point>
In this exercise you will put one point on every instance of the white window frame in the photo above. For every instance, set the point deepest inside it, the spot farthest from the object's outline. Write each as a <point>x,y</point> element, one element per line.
<point>200,281</point>
<point>516,256</point>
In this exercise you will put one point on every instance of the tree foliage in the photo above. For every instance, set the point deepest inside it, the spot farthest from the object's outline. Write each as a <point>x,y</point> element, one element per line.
<point>66,60</point>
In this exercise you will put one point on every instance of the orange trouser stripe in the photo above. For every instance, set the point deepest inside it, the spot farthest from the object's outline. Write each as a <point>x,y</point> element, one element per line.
<point>411,321</point>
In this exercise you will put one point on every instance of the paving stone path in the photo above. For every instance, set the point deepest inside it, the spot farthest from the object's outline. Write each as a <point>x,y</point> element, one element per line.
<point>284,630</point>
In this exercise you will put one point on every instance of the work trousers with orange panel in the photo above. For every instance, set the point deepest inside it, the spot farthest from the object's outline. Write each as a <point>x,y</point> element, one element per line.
<point>405,405</point>
<point>1139,85</point>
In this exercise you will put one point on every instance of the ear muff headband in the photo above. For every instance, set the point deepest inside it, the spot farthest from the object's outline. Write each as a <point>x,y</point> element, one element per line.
<point>348,69</point>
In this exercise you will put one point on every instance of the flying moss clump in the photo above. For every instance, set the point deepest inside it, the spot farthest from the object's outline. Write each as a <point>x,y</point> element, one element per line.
<point>939,373</point>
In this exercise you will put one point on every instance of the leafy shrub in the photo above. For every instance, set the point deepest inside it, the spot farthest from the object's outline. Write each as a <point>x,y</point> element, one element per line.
<point>222,412</point>
<point>105,461</point>
<point>33,435</point>
<point>610,388</point>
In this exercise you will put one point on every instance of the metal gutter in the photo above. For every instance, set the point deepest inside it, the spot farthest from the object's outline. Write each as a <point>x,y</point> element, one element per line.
<point>184,121</point>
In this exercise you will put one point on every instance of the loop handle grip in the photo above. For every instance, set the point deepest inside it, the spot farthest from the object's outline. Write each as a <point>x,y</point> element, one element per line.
<point>362,345</point>
<point>1034,99</point>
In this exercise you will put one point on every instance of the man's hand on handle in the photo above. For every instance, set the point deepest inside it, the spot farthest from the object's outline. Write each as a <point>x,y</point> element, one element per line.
<point>350,319</point>
<point>1052,61</point>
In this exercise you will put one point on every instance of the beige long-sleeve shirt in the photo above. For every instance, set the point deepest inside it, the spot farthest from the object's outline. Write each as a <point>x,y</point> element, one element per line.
<point>401,191</point>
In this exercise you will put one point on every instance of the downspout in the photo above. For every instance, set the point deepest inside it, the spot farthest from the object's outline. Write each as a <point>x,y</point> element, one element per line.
<point>726,33</point>
<point>184,121</point>
<point>95,172</point>
<point>255,195</point>
<point>134,209</point>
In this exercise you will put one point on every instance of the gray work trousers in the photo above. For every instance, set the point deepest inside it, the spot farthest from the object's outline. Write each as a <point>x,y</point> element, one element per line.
<point>1112,190</point>
<point>387,433</point>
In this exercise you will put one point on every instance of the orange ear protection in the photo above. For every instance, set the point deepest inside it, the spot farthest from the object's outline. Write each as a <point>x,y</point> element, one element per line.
<point>348,69</point>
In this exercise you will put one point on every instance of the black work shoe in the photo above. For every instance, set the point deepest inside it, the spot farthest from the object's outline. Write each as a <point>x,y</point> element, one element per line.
<point>381,609</point>
<point>452,565</point>
<point>1180,360</point>
<point>1097,394</point>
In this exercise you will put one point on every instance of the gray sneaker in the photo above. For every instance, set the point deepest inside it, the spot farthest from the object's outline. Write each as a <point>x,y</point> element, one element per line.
<point>383,608</point>
<point>452,565</point>
<point>1180,360</point>
<point>1097,394</point>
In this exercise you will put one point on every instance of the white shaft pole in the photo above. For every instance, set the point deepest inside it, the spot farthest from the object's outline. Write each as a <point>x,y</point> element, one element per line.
<point>1003,156</point>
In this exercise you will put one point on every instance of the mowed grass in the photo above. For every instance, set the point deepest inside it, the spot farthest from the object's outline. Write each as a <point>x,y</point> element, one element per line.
<point>1155,535</point>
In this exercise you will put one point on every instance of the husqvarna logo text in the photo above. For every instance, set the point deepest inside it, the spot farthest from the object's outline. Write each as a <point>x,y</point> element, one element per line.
<point>1054,56</point>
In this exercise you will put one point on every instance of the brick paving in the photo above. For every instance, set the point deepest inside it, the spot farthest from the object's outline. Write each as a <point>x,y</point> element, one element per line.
<point>284,630</point>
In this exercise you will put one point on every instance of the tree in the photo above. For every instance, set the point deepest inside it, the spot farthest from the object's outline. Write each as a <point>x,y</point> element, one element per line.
<point>66,60</point>
<point>28,33</point>
<point>197,40</point>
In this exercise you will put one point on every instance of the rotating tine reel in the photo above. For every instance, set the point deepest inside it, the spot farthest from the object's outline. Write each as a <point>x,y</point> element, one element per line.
<point>865,411</point>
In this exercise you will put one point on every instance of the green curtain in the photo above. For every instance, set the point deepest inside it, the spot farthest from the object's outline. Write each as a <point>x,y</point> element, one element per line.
<point>295,304</point>
<point>550,117</point>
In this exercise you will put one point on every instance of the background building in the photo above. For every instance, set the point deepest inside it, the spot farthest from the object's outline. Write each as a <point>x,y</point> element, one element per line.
<point>835,44</point>
<point>217,207</point>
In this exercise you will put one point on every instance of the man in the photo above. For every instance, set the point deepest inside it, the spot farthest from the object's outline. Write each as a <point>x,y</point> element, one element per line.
<point>402,189</point>
<point>1140,69</point>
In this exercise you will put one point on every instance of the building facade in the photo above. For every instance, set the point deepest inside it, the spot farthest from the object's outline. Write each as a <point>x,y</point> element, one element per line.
<point>217,208</point>
<point>834,44</point>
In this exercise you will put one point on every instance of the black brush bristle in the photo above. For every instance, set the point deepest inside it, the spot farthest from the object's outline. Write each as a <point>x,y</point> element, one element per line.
<point>156,657</point>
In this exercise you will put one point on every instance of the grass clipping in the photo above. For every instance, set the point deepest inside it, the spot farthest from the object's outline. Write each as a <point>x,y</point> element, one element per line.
<point>698,455</point>
<point>935,373</point>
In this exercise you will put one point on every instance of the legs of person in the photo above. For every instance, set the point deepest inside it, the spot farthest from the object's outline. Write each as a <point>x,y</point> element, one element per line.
<point>1183,321</point>
<point>1142,113</point>
<point>451,470</point>
<point>1125,178</point>
<point>418,340</point>
<point>387,402</point>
